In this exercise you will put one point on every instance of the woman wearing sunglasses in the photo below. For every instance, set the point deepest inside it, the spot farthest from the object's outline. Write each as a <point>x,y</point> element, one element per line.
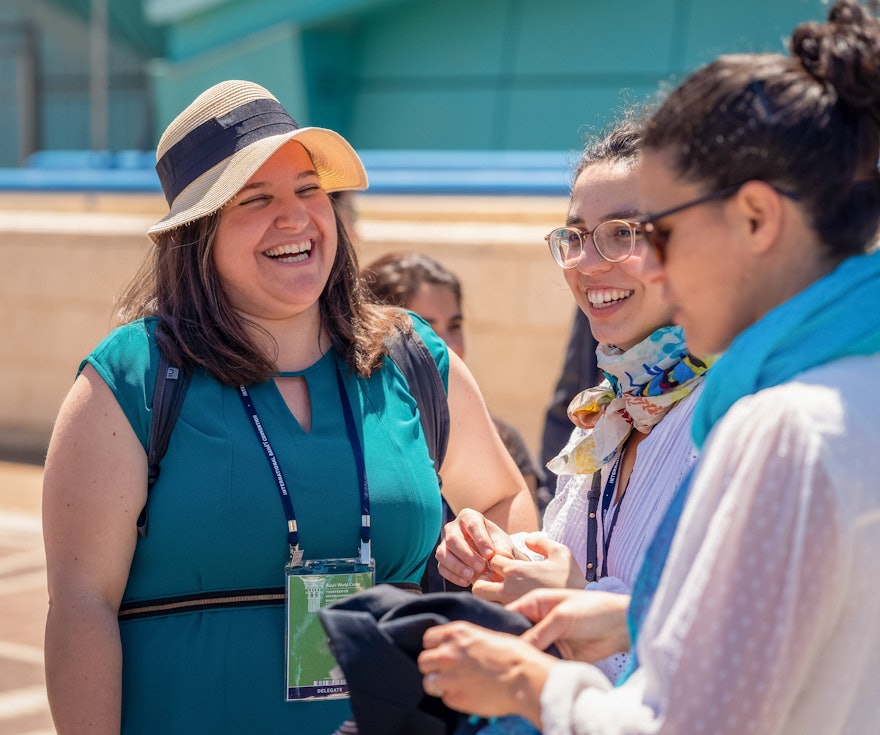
<point>632,446</point>
<point>762,174</point>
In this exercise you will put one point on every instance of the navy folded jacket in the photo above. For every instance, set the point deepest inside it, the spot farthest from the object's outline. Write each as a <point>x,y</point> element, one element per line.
<point>376,637</point>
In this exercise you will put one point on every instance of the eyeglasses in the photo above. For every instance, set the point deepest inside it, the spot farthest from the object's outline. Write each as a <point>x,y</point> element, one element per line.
<point>659,239</point>
<point>614,240</point>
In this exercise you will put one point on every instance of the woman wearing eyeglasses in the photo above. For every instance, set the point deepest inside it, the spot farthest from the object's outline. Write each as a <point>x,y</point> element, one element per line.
<point>756,609</point>
<point>632,446</point>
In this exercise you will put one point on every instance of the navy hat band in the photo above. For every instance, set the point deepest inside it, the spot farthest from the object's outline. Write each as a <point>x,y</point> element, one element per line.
<point>217,139</point>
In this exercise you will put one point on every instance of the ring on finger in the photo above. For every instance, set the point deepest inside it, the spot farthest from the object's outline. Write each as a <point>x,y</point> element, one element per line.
<point>431,686</point>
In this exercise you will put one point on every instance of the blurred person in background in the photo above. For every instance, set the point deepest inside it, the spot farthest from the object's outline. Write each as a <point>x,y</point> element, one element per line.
<point>579,368</point>
<point>425,286</point>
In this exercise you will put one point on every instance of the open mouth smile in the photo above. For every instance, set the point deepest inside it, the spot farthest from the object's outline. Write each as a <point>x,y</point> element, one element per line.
<point>292,253</point>
<point>604,297</point>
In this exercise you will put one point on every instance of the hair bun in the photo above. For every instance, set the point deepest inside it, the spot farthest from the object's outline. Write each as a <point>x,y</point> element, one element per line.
<point>843,52</point>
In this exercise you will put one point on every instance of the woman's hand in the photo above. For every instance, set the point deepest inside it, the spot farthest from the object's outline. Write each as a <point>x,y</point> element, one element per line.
<point>511,578</point>
<point>478,671</point>
<point>585,625</point>
<point>469,542</point>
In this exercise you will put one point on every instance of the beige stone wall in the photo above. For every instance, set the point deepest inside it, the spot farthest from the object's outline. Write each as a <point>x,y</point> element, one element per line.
<point>65,257</point>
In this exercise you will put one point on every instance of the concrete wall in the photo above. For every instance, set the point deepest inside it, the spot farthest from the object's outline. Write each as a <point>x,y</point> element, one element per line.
<point>66,256</point>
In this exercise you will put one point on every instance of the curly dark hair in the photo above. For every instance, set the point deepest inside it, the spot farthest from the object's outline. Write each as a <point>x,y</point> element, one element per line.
<point>808,123</point>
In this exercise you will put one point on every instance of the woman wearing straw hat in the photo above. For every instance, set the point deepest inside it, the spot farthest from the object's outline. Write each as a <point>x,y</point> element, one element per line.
<point>297,455</point>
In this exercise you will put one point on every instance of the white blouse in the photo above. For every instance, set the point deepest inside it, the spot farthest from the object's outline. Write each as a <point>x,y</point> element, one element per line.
<point>767,618</point>
<point>662,461</point>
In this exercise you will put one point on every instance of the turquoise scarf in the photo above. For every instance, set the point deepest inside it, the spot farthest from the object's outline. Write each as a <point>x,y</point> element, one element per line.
<point>837,316</point>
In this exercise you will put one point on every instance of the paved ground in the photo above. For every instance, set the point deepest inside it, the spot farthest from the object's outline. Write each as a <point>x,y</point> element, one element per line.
<point>23,706</point>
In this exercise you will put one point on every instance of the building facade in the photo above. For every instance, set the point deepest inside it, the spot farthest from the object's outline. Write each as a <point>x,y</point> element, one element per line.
<point>488,75</point>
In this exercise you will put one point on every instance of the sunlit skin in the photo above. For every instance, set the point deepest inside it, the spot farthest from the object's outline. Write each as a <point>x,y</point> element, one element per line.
<point>623,306</point>
<point>281,211</point>
<point>438,306</point>
<point>95,478</point>
<point>624,303</point>
<point>730,261</point>
<point>703,276</point>
<point>487,673</point>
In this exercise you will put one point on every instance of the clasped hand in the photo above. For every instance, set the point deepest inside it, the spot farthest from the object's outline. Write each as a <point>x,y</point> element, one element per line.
<point>474,550</point>
<point>482,672</point>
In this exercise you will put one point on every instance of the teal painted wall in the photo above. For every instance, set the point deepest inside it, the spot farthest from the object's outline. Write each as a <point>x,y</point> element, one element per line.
<point>269,57</point>
<point>525,74</point>
<point>388,74</point>
<point>464,74</point>
<point>44,83</point>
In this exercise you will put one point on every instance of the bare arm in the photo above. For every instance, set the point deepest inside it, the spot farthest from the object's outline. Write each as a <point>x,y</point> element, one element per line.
<point>94,487</point>
<point>478,471</point>
<point>480,479</point>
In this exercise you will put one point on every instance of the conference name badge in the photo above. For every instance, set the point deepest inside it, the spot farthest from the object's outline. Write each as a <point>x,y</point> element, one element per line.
<point>311,671</point>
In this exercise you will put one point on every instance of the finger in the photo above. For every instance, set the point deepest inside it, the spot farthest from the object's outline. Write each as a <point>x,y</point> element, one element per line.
<point>501,565</point>
<point>541,635</point>
<point>536,604</point>
<point>433,637</point>
<point>543,545</point>
<point>460,575</point>
<point>477,529</point>
<point>487,590</point>
<point>457,561</point>
<point>431,685</point>
<point>456,552</point>
<point>552,628</point>
<point>501,541</point>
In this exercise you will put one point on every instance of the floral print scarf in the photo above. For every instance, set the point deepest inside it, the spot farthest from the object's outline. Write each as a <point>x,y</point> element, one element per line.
<point>640,386</point>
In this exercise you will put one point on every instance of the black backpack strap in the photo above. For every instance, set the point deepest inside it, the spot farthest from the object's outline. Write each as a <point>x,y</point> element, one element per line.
<point>168,394</point>
<point>413,359</point>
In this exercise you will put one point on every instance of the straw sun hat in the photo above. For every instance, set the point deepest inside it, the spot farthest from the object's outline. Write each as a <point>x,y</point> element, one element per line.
<point>212,148</point>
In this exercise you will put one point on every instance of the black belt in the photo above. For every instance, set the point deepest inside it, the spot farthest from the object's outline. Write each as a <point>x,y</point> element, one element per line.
<point>201,601</point>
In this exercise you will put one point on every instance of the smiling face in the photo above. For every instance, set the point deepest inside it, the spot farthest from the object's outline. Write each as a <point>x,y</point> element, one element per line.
<point>623,306</point>
<point>276,240</point>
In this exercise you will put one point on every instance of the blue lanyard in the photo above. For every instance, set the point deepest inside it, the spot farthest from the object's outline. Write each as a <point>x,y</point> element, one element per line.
<point>607,498</point>
<point>296,553</point>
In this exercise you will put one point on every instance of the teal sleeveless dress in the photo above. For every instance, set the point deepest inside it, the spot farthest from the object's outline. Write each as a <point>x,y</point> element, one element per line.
<point>216,524</point>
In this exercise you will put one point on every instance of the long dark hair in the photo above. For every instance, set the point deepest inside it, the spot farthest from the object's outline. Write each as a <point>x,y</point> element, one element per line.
<point>178,283</point>
<point>808,123</point>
